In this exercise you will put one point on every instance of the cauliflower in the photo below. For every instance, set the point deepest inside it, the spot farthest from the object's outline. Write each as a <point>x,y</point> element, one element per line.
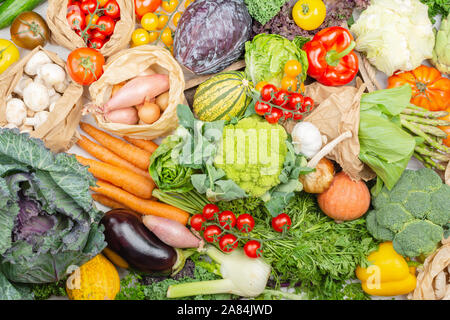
<point>252,154</point>
<point>414,214</point>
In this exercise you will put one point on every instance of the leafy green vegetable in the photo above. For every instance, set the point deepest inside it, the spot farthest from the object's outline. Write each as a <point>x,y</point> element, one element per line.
<point>9,291</point>
<point>441,52</point>
<point>317,253</point>
<point>436,7</point>
<point>414,214</point>
<point>264,10</point>
<point>48,219</point>
<point>266,56</point>
<point>46,290</point>
<point>385,147</point>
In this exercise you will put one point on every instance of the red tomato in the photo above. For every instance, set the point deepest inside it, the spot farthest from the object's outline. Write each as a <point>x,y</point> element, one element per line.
<point>227,219</point>
<point>245,223</point>
<point>281,98</point>
<point>210,211</point>
<point>298,116</point>
<point>228,243</point>
<point>106,25</point>
<point>274,116</point>
<point>71,2</point>
<point>144,6</point>
<point>287,115</point>
<point>88,6</point>
<point>295,101</point>
<point>95,33</point>
<point>261,108</point>
<point>253,249</point>
<point>212,233</point>
<point>73,7</point>
<point>268,91</point>
<point>96,43</point>
<point>76,20</point>
<point>197,221</point>
<point>85,65</point>
<point>112,9</point>
<point>308,104</point>
<point>281,222</point>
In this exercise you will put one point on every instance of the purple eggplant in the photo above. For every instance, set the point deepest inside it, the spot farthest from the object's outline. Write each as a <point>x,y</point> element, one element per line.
<point>128,237</point>
<point>211,35</point>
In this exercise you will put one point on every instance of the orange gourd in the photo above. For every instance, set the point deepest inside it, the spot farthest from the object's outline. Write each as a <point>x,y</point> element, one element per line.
<point>345,199</point>
<point>430,90</point>
<point>97,279</point>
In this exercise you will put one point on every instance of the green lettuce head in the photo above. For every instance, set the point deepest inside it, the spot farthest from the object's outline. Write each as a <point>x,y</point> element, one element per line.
<point>266,56</point>
<point>48,221</point>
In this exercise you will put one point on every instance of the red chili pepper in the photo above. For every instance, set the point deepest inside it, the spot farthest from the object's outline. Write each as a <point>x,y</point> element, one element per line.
<point>332,61</point>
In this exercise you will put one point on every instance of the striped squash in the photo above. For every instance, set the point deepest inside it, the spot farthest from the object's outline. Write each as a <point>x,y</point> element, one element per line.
<point>224,96</point>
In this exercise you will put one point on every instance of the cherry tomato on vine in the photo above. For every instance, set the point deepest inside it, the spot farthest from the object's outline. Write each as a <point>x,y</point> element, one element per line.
<point>253,249</point>
<point>228,243</point>
<point>261,108</point>
<point>197,221</point>
<point>287,115</point>
<point>281,98</point>
<point>260,85</point>
<point>112,9</point>
<point>162,20</point>
<point>106,25</point>
<point>85,65</point>
<point>295,101</point>
<point>268,91</point>
<point>176,18</point>
<point>73,7</point>
<point>144,6</point>
<point>92,20</point>
<point>281,222</point>
<point>227,219</point>
<point>96,43</point>
<point>245,223</point>
<point>289,83</point>
<point>71,2</point>
<point>102,2</point>
<point>210,210</point>
<point>308,104</point>
<point>140,37</point>
<point>153,36</point>
<point>292,68</point>
<point>169,5</point>
<point>274,116</point>
<point>166,37</point>
<point>95,33</point>
<point>212,233</point>
<point>76,20</point>
<point>88,6</point>
<point>150,21</point>
<point>298,116</point>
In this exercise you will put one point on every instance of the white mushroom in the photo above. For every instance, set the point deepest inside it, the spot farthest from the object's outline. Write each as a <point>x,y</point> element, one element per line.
<point>53,100</point>
<point>23,82</point>
<point>35,96</point>
<point>10,126</point>
<point>9,97</point>
<point>30,113</point>
<point>52,74</point>
<point>62,86</point>
<point>15,111</point>
<point>38,59</point>
<point>51,92</point>
<point>38,119</point>
<point>25,128</point>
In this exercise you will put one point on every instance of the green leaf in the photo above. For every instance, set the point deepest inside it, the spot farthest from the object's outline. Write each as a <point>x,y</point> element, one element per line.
<point>8,291</point>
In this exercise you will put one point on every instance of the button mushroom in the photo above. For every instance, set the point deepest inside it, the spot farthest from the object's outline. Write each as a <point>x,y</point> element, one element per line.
<point>16,111</point>
<point>52,74</point>
<point>36,97</point>
<point>38,59</point>
<point>23,82</point>
<point>38,119</point>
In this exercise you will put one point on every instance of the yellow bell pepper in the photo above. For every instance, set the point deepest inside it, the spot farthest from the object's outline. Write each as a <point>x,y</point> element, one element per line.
<point>388,274</point>
<point>8,54</point>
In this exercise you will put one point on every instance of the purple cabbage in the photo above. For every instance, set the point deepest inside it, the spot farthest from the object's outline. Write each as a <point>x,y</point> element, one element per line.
<point>211,35</point>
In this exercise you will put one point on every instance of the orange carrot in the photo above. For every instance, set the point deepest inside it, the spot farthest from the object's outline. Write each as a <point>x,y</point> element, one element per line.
<point>146,207</point>
<point>107,202</point>
<point>123,178</point>
<point>148,145</point>
<point>140,158</point>
<point>107,156</point>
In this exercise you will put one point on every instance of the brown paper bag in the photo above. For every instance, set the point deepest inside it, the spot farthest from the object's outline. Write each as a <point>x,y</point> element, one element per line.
<point>64,36</point>
<point>128,64</point>
<point>59,131</point>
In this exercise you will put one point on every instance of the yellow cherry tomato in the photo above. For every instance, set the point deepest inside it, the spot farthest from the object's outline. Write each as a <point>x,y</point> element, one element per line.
<point>309,14</point>
<point>8,54</point>
<point>102,2</point>
<point>292,68</point>
<point>302,88</point>
<point>150,21</point>
<point>162,21</point>
<point>169,5</point>
<point>176,18</point>
<point>289,83</point>
<point>187,3</point>
<point>140,37</point>
<point>92,21</point>
<point>260,85</point>
<point>153,36</point>
<point>166,37</point>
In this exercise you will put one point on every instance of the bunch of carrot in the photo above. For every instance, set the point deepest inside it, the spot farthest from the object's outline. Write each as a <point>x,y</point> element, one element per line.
<point>122,173</point>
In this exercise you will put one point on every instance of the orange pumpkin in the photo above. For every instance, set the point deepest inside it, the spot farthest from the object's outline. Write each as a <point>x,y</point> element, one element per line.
<point>446,141</point>
<point>345,199</point>
<point>429,89</point>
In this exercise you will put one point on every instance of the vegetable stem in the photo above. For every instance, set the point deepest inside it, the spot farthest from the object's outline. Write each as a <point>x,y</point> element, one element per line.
<point>327,149</point>
<point>200,288</point>
<point>413,128</point>
<point>432,122</point>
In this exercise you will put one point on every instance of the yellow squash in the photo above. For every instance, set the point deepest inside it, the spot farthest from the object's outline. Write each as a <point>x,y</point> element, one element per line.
<point>8,54</point>
<point>97,279</point>
<point>389,274</point>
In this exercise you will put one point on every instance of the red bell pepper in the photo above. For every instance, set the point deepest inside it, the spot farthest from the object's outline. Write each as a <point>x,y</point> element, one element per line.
<point>332,61</point>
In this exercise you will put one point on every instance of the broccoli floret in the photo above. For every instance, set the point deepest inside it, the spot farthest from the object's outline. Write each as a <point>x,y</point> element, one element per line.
<point>418,237</point>
<point>414,214</point>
